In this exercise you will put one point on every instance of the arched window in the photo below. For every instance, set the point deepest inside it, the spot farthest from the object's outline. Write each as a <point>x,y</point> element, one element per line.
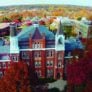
<point>59,56</point>
<point>59,64</point>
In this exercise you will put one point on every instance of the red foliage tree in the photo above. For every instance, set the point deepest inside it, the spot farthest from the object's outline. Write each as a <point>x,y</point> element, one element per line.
<point>16,79</point>
<point>42,22</point>
<point>80,72</point>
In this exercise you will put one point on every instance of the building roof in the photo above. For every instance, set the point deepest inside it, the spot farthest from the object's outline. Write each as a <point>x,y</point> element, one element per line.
<point>1,42</point>
<point>4,49</point>
<point>26,32</point>
<point>4,25</point>
<point>4,57</point>
<point>72,43</point>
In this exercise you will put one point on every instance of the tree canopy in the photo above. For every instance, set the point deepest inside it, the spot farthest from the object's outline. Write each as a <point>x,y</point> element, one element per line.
<point>16,78</point>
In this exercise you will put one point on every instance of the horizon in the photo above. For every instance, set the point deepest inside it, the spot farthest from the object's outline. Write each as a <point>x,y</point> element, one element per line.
<point>44,2</point>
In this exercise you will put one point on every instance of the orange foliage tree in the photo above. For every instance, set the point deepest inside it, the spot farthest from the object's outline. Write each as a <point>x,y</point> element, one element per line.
<point>15,16</point>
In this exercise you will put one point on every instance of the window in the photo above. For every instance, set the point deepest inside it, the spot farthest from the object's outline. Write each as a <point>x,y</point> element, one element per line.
<point>25,55</point>
<point>4,65</point>
<point>69,53</point>
<point>33,45</point>
<point>28,63</point>
<point>49,63</point>
<point>38,73</point>
<point>9,64</point>
<point>59,64</point>
<point>49,73</point>
<point>14,58</point>
<point>5,57</point>
<point>49,53</point>
<point>0,65</point>
<point>60,56</point>
<point>60,40</point>
<point>37,64</point>
<point>36,45</point>
<point>59,75</point>
<point>37,54</point>
<point>1,74</point>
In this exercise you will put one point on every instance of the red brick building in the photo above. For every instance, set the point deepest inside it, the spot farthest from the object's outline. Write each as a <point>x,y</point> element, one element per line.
<point>39,48</point>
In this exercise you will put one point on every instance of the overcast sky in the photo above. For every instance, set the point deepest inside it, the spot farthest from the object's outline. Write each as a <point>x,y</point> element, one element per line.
<point>70,2</point>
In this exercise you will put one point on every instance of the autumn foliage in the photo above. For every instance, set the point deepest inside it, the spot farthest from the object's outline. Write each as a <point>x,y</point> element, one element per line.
<point>80,73</point>
<point>16,79</point>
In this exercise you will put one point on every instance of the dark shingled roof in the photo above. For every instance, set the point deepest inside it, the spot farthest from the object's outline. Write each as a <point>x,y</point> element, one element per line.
<point>4,49</point>
<point>72,44</point>
<point>26,32</point>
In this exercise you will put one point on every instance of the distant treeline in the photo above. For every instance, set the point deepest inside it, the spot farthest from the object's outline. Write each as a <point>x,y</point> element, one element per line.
<point>46,6</point>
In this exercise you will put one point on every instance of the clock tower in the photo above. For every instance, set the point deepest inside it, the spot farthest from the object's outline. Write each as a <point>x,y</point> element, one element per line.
<point>14,49</point>
<point>59,39</point>
<point>59,52</point>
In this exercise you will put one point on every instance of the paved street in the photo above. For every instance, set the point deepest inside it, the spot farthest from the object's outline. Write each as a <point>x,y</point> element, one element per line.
<point>59,84</point>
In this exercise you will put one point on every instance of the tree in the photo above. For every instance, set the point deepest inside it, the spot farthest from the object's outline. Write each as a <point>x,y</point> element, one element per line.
<point>16,78</point>
<point>79,74</point>
<point>5,19</point>
<point>15,16</point>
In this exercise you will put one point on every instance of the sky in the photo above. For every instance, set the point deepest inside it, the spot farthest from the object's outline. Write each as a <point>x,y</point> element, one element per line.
<point>70,2</point>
